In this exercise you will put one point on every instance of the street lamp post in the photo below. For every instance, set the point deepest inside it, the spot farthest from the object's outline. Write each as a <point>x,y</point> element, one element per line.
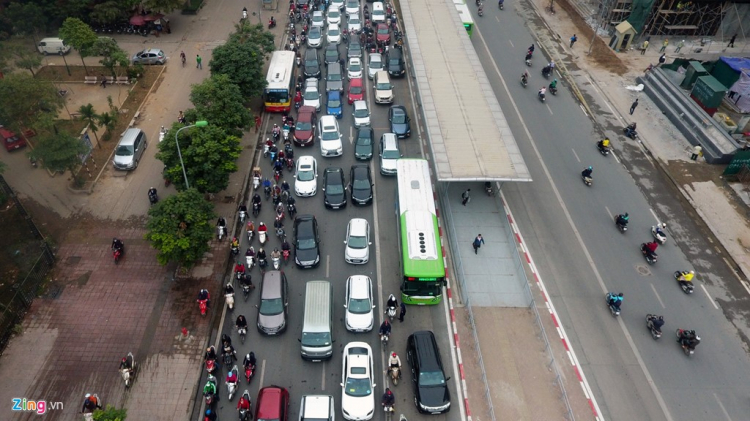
<point>176,140</point>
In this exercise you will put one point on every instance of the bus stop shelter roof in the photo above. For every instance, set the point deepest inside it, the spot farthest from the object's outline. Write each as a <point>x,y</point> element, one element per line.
<point>467,132</point>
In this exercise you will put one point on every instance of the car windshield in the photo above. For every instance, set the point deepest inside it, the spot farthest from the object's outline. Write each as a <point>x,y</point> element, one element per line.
<point>357,242</point>
<point>382,30</point>
<point>361,184</point>
<point>334,103</point>
<point>312,95</point>
<point>124,150</point>
<point>361,112</point>
<point>357,387</point>
<point>303,126</point>
<point>394,62</point>
<point>333,32</point>
<point>330,134</point>
<point>360,306</point>
<point>364,140</point>
<point>317,18</point>
<point>399,118</point>
<point>391,155</point>
<point>334,76</point>
<point>315,32</point>
<point>311,63</point>
<point>305,243</point>
<point>378,13</point>
<point>306,175</point>
<point>334,14</point>
<point>277,96</point>
<point>383,86</point>
<point>375,63</point>
<point>335,188</point>
<point>431,378</point>
<point>316,339</point>
<point>355,89</point>
<point>271,307</point>
<point>355,67</point>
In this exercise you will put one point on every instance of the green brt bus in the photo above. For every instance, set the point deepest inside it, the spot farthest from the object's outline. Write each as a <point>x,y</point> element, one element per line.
<point>465,15</point>
<point>422,263</point>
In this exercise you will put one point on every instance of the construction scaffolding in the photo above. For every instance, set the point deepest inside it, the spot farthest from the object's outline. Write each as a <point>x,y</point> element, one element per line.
<point>685,18</point>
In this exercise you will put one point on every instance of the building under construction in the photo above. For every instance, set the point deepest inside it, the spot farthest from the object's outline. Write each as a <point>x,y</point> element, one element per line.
<point>706,18</point>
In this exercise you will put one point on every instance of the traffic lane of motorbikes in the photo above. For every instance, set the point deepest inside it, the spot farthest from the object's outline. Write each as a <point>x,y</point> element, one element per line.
<point>581,142</point>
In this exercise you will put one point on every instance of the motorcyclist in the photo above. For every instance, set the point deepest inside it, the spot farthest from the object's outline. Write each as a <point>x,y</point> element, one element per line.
<point>241,322</point>
<point>261,255</point>
<point>246,280</point>
<point>221,222</point>
<point>686,278</point>
<point>151,193</point>
<point>531,48</point>
<point>275,254</point>
<point>242,208</point>
<point>388,398</point>
<point>276,131</point>
<point>587,172</point>
<point>210,353</point>
<point>385,328</point>
<point>229,289</point>
<point>542,92</point>
<point>650,248</point>
<point>656,322</point>
<point>231,377</point>
<point>480,9</point>
<point>235,243</point>
<point>244,13</point>
<point>394,361</point>
<point>126,365</point>
<point>284,186</point>
<point>689,339</point>
<point>603,144</point>
<point>297,99</point>
<point>278,165</point>
<point>277,223</point>
<point>250,252</point>
<point>623,219</point>
<point>90,403</point>
<point>262,227</point>
<point>630,130</point>
<point>117,244</point>
<point>615,300</point>
<point>285,245</point>
<point>249,360</point>
<point>228,349</point>
<point>210,387</point>
<point>244,402</point>
<point>210,415</point>
<point>553,85</point>
<point>204,295</point>
<point>660,229</point>
<point>391,303</point>
<point>290,201</point>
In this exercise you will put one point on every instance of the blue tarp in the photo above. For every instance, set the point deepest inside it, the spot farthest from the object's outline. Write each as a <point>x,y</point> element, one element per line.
<point>738,64</point>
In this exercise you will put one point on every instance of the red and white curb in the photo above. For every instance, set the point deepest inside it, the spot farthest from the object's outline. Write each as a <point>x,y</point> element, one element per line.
<point>553,313</point>
<point>454,328</point>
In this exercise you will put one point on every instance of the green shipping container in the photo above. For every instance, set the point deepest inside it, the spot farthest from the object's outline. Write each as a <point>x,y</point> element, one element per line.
<point>708,92</point>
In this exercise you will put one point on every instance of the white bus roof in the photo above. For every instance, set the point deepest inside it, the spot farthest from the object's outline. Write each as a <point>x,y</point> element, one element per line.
<point>280,70</point>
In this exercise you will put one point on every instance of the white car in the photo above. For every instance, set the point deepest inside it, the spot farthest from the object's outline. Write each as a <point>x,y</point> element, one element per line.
<point>357,250</point>
<point>354,68</point>
<point>354,23</point>
<point>351,7</point>
<point>338,4</point>
<point>359,305</point>
<point>333,36</point>
<point>318,19</point>
<point>376,63</point>
<point>329,136</point>
<point>315,37</point>
<point>310,95</point>
<point>357,382</point>
<point>378,13</point>
<point>306,177</point>
<point>361,113</point>
<point>333,15</point>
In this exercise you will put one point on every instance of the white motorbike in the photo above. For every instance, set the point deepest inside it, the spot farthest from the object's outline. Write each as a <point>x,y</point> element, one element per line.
<point>391,312</point>
<point>285,133</point>
<point>276,262</point>
<point>230,300</point>
<point>221,231</point>
<point>384,340</point>
<point>128,374</point>
<point>242,332</point>
<point>266,150</point>
<point>256,183</point>
<point>660,237</point>
<point>395,374</point>
<point>243,215</point>
<point>249,262</point>
<point>232,386</point>
<point>262,237</point>
<point>162,133</point>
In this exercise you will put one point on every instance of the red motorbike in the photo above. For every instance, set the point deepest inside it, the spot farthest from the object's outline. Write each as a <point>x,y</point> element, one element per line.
<point>210,366</point>
<point>285,254</point>
<point>117,254</point>
<point>249,370</point>
<point>203,306</point>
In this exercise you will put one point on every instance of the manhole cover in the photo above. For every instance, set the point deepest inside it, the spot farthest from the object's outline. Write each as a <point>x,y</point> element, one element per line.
<point>643,270</point>
<point>54,290</point>
<point>72,260</point>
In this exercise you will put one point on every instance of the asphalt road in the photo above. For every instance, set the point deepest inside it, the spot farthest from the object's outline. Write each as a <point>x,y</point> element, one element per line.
<point>632,376</point>
<point>279,360</point>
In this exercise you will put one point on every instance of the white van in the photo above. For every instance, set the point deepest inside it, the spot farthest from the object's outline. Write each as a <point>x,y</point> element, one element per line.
<point>53,46</point>
<point>317,327</point>
<point>378,13</point>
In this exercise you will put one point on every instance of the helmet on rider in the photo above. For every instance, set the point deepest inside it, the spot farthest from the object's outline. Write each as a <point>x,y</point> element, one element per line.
<point>591,168</point>
<point>393,354</point>
<point>619,295</point>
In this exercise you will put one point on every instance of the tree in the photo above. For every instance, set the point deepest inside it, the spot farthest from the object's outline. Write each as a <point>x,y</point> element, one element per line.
<point>180,227</point>
<point>108,121</point>
<point>109,12</point>
<point>27,18</point>
<point>242,58</point>
<point>112,54</point>
<point>219,101</point>
<point>28,99</point>
<point>80,36</point>
<point>25,58</point>
<point>89,115</point>
<point>110,414</point>
<point>59,151</point>
<point>163,6</point>
<point>210,155</point>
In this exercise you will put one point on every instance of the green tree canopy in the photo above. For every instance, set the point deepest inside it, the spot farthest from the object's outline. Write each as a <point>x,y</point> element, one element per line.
<point>25,58</point>
<point>28,100</point>
<point>219,101</point>
<point>210,155</point>
<point>109,12</point>
<point>79,36</point>
<point>163,6</point>
<point>180,227</point>
<point>27,18</point>
<point>242,58</point>
<point>112,54</point>
<point>58,151</point>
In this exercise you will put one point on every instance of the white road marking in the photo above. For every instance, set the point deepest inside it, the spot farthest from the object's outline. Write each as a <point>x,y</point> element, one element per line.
<point>262,374</point>
<point>328,265</point>
<point>657,296</point>
<point>583,109</point>
<point>351,135</point>
<point>576,155</point>
<point>654,213</point>
<point>721,405</point>
<point>549,109</point>
<point>709,297</point>
<point>511,43</point>
<point>609,212</point>
<point>615,156</point>
<point>323,374</point>
<point>742,281</point>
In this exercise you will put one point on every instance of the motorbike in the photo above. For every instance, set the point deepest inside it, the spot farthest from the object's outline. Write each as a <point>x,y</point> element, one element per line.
<point>285,254</point>
<point>587,180</point>
<point>292,209</point>
<point>232,386</point>
<point>395,374</point>
<point>541,96</point>
<point>118,253</point>
<point>272,155</point>
<point>277,175</point>
<point>488,188</point>
<point>271,23</point>
<point>262,237</point>
<point>246,293</point>
<point>162,133</point>
<point>250,235</point>
<point>687,286</point>
<point>280,214</point>
<point>221,231</point>
<point>384,340</point>
<point>244,14</point>
<point>546,71</point>
<point>249,371</point>
<point>388,409</point>
<point>612,308</point>
<point>230,300</point>
<point>480,12</point>
<point>203,306</point>
<point>245,413</point>
<point>267,190</point>
<point>603,150</point>
<point>262,263</point>
<point>228,358</point>
<point>686,349</point>
<point>276,262</point>
<point>243,215</point>
<point>655,333</point>
<point>153,198</point>
<point>650,257</point>
<point>289,164</point>
<point>552,90</point>
<point>256,182</point>
<point>622,227</point>
<point>391,312</point>
<point>500,4</point>
<point>129,374</point>
<point>88,414</point>
<point>285,132</point>
<point>256,209</point>
<point>210,397</point>
<point>266,150</point>
<point>630,132</point>
<point>524,81</point>
<point>210,366</point>
<point>659,237</point>
<point>280,232</point>
<point>235,250</point>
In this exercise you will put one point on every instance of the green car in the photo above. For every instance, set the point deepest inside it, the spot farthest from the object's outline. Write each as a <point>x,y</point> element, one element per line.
<point>363,144</point>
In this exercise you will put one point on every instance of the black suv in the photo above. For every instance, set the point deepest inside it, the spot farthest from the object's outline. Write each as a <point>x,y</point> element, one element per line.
<point>395,62</point>
<point>431,392</point>
<point>306,241</point>
<point>334,188</point>
<point>312,63</point>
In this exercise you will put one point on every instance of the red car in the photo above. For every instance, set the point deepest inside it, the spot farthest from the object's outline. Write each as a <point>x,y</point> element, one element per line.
<point>356,91</point>
<point>272,404</point>
<point>10,140</point>
<point>304,127</point>
<point>382,34</point>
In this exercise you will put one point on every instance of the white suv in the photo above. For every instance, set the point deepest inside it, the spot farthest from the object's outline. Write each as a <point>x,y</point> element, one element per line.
<point>317,408</point>
<point>361,114</point>
<point>306,177</point>
<point>329,136</point>
<point>383,88</point>
<point>357,251</point>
